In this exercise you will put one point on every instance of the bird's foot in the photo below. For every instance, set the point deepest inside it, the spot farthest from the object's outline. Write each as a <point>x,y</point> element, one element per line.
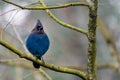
<point>42,60</point>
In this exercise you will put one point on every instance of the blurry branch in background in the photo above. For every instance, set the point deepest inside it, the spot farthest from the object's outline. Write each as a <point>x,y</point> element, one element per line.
<point>7,12</point>
<point>106,66</point>
<point>23,64</point>
<point>19,38</point>
<point>110,41</point>
<point>45,74</point>
<point>44,7</point>
<point>99,66</point>
<point>17,63</point>
<point>49,66</point>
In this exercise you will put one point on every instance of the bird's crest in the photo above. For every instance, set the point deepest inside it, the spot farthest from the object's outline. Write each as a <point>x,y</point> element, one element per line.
<point>38,27</point>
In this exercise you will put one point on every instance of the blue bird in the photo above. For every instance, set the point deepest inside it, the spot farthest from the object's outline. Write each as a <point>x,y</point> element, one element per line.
<point>37,42</point>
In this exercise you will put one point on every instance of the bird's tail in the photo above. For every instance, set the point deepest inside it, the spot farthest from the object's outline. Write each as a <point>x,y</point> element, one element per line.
<point>36,65</point>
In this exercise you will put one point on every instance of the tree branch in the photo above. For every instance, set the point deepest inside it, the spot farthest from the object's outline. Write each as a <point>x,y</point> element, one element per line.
<point>82,67</point>
<point>91,68</point>
<point>53,17</point>
<point>49,66</point>
<point>110,41</point>
<point>61,22</point>
<point>49,7</point>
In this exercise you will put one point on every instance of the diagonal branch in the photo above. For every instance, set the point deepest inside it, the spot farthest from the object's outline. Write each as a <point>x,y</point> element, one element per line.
<point>61,22</point>
<point>44,7</point>
<point>49,66</point>
<point>110,41</point>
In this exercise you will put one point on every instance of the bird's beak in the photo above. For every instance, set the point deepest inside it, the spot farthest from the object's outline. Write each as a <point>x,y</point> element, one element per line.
<point>38,23</point>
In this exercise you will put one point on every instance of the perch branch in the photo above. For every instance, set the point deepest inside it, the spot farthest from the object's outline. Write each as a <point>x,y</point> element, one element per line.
<point>49,66</point>
<point>28,66</point>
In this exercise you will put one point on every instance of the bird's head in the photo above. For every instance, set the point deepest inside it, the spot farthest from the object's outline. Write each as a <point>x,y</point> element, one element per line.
<point>38,28</point>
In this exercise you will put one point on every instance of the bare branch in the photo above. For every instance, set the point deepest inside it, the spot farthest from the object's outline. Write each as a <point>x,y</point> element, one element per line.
<point>49,7</point>
<point>44,7</point>
<point>92,26</point>
<point>49,66</point>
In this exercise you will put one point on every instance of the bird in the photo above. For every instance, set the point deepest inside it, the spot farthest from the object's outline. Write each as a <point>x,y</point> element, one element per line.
<point>37,42</point>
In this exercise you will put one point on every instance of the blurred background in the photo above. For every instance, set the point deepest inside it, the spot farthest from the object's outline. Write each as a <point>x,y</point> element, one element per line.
<point>67,47</point>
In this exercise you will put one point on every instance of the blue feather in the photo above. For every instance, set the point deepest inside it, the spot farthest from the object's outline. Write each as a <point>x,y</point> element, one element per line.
<point>37,42</point>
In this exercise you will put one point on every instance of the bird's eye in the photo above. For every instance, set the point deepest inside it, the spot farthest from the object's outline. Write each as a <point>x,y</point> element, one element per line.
<point>39,28</point>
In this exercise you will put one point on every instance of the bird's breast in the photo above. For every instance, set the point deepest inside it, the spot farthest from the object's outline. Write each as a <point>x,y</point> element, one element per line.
<point>37,44</point>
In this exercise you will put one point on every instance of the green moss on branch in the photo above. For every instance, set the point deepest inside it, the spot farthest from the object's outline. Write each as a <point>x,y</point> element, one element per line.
<point>49,66</point>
